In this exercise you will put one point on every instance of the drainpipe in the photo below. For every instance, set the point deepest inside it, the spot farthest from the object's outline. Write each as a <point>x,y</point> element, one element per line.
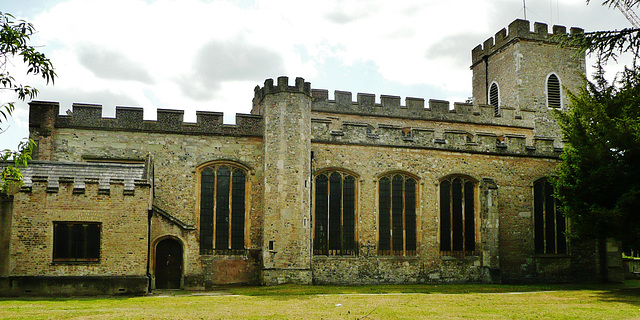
<point>150,173</point>
<point>313,158</point>
<point>149,216</point>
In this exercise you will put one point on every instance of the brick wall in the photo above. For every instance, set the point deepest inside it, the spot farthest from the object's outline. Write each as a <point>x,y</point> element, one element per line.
<point>123,244</point>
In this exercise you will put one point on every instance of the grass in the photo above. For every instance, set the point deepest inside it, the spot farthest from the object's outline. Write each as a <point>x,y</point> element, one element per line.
<point>470,301</point>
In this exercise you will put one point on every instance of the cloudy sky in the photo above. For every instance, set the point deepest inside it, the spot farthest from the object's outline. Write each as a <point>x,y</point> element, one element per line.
<point>210,54</point>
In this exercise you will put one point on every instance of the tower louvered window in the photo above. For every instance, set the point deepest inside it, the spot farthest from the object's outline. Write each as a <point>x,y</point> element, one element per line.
<point>550,225</point>
<point>553,92</point>
<point>222,209</point>
<point>397,219</point>
<point>457,216</point>
<point>334,218</point>
<point>494,98</point>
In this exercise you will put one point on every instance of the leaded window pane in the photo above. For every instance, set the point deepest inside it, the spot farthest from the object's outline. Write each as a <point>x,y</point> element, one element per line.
<point>321,216</point>
<point>397,216</point>
<point>222,209</point>
<point>76,241</point>
<point>384,218</point>
<point>550,226</point>
<point>457,216</point>
<point>334,214</point>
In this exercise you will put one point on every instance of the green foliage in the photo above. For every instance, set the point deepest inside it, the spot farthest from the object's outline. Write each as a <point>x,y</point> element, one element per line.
<point>14,43</point>
<point>11,175</point>
<point>607,45</point>
<point>598,180</point>
<point>612,3</point>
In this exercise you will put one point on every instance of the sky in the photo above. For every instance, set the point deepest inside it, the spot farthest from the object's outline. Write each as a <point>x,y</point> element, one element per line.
<point>208,55</point>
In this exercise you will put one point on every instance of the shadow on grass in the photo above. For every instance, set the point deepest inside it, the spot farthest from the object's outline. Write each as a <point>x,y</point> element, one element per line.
<point>627,292</point>
<point>301,290</point>
<point>629,295</point>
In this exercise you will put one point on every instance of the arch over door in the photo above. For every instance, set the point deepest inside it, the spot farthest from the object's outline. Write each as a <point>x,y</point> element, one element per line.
<point>168,267</point>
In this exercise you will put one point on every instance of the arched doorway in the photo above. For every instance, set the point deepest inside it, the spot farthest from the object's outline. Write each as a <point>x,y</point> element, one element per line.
<point>168,267</point>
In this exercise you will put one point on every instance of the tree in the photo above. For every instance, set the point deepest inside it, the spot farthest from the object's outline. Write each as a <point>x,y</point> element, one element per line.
<point>598,179</point>
<point>608,44</point>
<point>14,43</point>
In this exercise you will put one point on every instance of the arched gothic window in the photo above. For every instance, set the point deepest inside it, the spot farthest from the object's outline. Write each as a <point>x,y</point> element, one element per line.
<point>457,216</point>
<point>494,98</point>
<point>550,225</point>
<point>553,92</point>
<point>222,209</point>
<point>334,214</point>
<point>397,215</point>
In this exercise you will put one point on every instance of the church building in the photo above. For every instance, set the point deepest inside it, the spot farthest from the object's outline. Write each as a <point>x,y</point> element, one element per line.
<point>352,190</point>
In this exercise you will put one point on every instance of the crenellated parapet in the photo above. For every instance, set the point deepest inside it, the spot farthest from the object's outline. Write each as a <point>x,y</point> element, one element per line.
<point>300,86</point>
<point>518,30</point>
<point>89,116</point>
<point>446,139</point>
<point>419,109</point>
<point>79,175</point>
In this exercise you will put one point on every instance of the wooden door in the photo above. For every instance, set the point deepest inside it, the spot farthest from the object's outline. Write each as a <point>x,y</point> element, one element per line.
<point>168,266</point>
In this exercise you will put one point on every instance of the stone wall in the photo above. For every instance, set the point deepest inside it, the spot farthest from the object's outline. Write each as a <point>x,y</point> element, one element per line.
<point>123,241</point>
<point>428,140</point>
<point>286,245</point>
<point>176,159</point>
<point>513,178</point>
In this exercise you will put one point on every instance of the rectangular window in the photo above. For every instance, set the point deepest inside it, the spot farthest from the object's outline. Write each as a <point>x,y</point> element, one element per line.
<point>76,241</point>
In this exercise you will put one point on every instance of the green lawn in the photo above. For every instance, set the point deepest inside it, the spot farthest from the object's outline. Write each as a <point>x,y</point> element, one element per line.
<point>614,301</point>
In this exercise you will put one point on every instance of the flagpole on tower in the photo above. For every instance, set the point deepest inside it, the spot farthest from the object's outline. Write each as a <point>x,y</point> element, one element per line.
<point>524,5</point>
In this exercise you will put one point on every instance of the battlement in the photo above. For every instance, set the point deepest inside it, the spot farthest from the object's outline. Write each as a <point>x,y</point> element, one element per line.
<point>282,86</point>
<point>518,29</point>
<point>417,108</point>
<point>334,131</point>
<point>89,116</point>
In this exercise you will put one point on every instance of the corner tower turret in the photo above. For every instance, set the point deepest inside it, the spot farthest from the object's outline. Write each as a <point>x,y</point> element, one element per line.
<point>286,253</point>
<point>526,70</point>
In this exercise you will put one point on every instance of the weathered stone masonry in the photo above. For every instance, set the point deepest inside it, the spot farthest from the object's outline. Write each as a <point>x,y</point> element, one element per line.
<point>293,135</point>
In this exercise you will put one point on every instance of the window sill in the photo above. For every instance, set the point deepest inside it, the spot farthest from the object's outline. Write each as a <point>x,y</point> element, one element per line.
<point>552,256</point>
<point>75,262</point>
<point>445,257</point>
<point>392,257</point>
<point>225,253</point>
<point>330,257</point>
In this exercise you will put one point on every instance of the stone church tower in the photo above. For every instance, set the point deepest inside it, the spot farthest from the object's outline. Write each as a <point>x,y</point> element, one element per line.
<point>527,71</point>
